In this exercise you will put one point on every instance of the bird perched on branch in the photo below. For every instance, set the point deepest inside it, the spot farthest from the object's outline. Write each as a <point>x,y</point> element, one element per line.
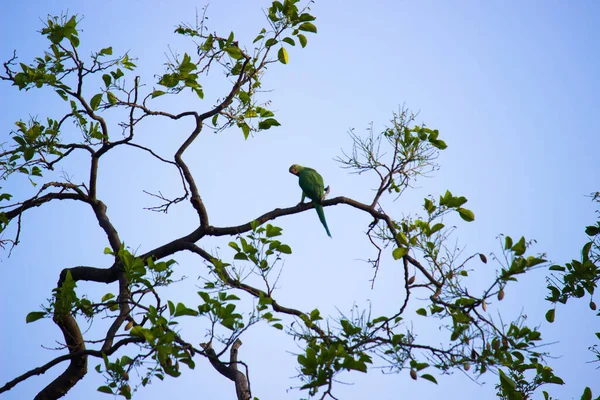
<point>311,183</point>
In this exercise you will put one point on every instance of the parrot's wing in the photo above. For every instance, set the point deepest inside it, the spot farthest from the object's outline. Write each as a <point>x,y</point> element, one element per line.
<point>312,184</point>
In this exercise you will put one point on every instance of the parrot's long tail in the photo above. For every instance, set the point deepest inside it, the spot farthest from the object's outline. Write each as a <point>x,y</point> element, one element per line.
<point>319,209</point>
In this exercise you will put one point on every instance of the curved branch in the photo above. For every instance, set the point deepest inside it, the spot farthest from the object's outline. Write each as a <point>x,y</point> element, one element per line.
<point>42,370</point>
<point>38,201</point>
<point>113,237</point>
<point>279,212</point>
<point>195,199</point>
<point>77,367</point>
<point>242,79</point>
<point>242,386</point>
<point>254,291</point>
<point>92,274</point>
<point>124,310</point>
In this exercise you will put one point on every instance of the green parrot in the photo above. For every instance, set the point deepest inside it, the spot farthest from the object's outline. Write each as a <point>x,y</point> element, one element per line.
<point>312,187</point>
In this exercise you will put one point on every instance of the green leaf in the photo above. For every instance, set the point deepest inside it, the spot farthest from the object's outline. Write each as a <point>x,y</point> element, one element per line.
<point>35,171</point>
<point>465,214</point>
<point>508,242</point>
<point>315,315</point>
<point>244,97</point>
<point>112,99</point>
<point>289,41</point>
<point>107,79</point>
<point>105,389</point>
<point>273,231</point>
<point>520,247</point>
<point>234,52</point>
<point>550,316</point>
<point>271,42</point>
<point>428,206</point>
<point>142,332</point>
<point>429,378</point>
<point>285,249</point>
<point>62,94</point>
<point>95,102</point>
<point>282,56</point>
<point>34,316</point>
<point>592,230</point>
<point>107,296</point>
<point>157,93</point>
<point>440,144</point>
<point>422,311</point>
<point>107,51</point>
<point>557,268</point>
<point>169,80</point>
<point>302,40</point>
<point>557,380</point>
<point>267,123</point>
<point>587,394</point>
<point>181,309</point>
<point>436,228</point>
<point>399,252</point>
<point>308,27</point>
<point>74,41</point>
<point>28,153</point>
<point>507,383</point>
<point>306,17</point>
<point>245,129</point>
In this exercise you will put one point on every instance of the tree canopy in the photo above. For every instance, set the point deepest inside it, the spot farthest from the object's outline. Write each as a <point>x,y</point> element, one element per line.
<point>139,312</point>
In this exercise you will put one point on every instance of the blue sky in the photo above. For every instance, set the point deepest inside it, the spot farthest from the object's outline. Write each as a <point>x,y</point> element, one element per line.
<point>512,87</point>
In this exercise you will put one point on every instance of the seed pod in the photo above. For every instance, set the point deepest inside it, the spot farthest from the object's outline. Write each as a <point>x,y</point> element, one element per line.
<point>484,306</point>
<point>411,280</point>
<point>413,374</point>
<point>129,325</point>
<point>504,342</point>
<point>495,344</point>
<point>592,305</point>
<point>467,366</point>
<point>125,375</point>
<point>501,294</point>
<point>483,258</point>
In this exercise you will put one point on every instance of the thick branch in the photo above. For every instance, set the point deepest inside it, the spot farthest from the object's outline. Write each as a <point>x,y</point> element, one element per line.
<point>195,199</point>
<point>113,237</point>
<point>93,274</point>
<point>242,387</point>
<point>42,370</point>
<point>38,201</point>
<point>231,372</point>
<point>124,310</point>
<point>279,212</point>
<point>77,367</point>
